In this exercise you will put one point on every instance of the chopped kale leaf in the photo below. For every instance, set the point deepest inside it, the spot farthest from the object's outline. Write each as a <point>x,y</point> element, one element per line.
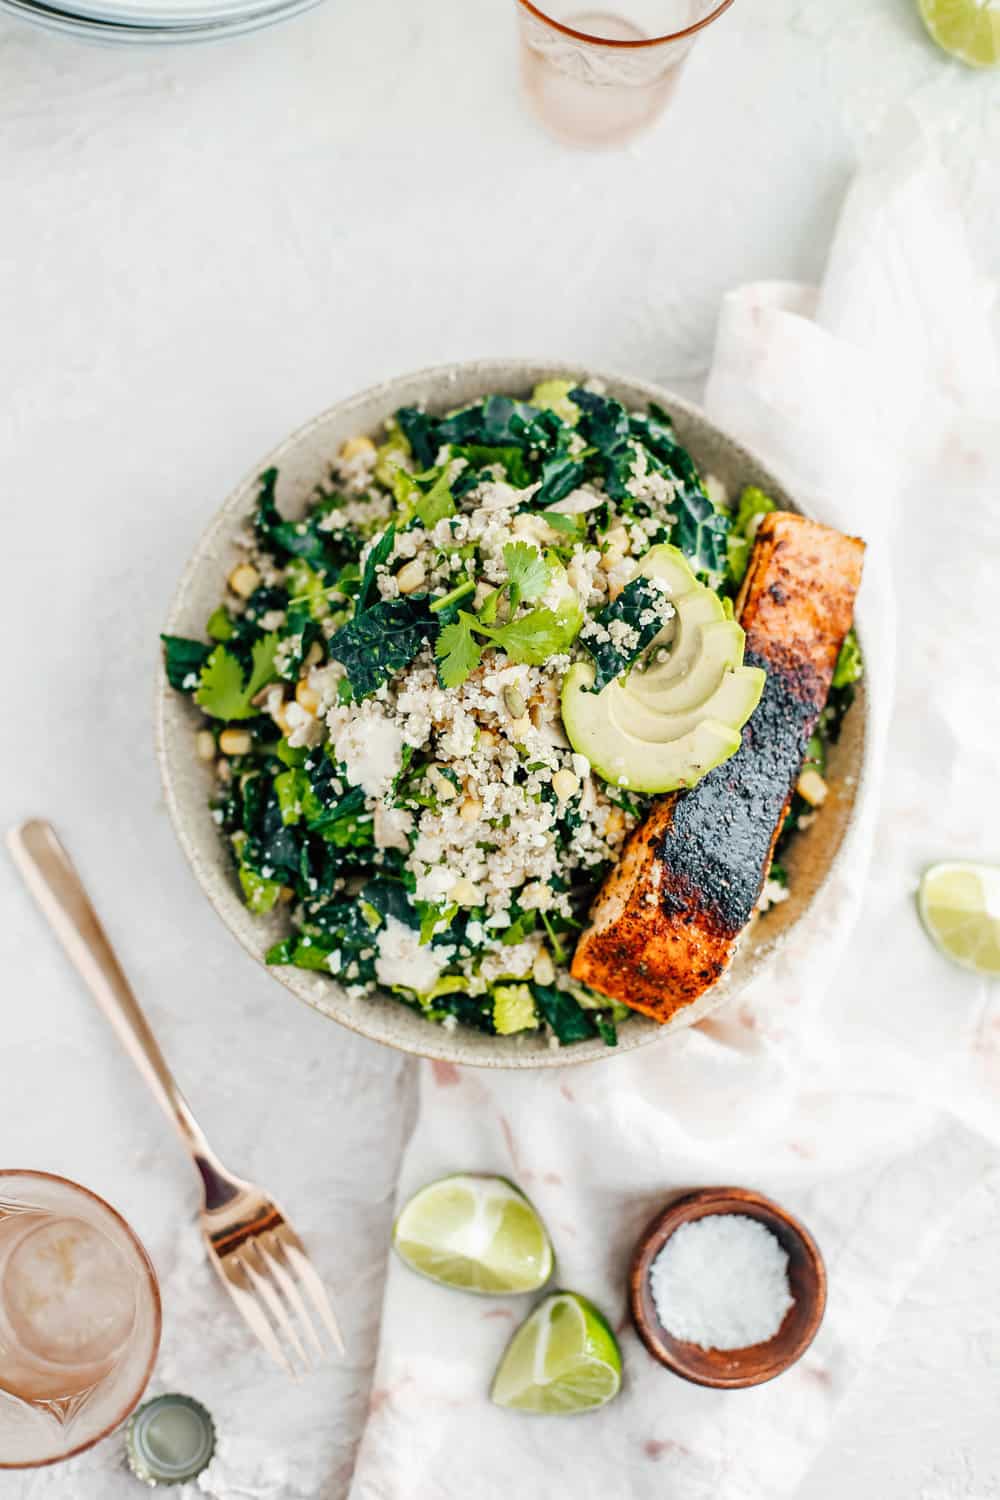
<point>183,661</point>
<point>381,640</point>
<point>611,657</point>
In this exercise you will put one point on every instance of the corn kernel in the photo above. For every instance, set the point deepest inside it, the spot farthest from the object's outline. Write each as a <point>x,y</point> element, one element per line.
<point>471,810</point>
<point>445,788</point>
<point>243,580</point>
<point>518,728</point>
<point>615,825</point>
<point>354,447</point>
<point>305,697</point>
<point>812,787</point>
<point>411,576</point>
<point>205,744</point>
<point>465,893</point>
<point>235,742</point>
<point>565,785</point>
<point>543,970</point>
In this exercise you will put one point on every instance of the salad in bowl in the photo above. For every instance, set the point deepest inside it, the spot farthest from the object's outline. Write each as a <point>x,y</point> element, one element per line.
<point>442,704</point>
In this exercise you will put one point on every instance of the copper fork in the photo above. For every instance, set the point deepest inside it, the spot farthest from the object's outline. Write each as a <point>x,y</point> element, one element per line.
<point>251,1244</point>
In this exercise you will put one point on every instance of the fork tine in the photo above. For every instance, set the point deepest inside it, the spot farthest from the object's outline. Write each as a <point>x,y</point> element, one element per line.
<point>271,1255</point>
<point>264,1288</point>
<point>255,1316</point>
<point>309,1278</point>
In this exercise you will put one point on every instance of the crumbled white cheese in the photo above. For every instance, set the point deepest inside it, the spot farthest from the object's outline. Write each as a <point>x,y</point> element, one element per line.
<point>401,959</point>
<point>370,745</point>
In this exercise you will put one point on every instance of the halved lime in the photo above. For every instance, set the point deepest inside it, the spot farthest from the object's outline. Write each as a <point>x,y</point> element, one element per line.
<point>960,907</point>
<point>563,1359</point>
<point>968,29</point>
<point>478,1234</point>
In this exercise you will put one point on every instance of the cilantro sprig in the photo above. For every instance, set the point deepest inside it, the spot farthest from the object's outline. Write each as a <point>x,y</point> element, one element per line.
<point>223,693</point>
<point>527,570</point>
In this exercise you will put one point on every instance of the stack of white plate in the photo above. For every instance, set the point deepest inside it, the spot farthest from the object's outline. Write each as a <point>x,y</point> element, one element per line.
<point>154,21</point>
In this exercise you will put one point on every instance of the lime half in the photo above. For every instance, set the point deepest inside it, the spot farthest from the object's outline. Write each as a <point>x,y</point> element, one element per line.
<point>960,907</point>
<point>478,1234</point>
<point>563,1359</point>
<point>968,29</point>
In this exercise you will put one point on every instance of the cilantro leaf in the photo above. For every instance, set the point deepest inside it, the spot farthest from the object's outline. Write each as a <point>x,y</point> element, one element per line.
<point>381,640</point>
<point>612,658</point>
<point>458,653</point>
<point>183,661</point>
<point>534,637</point>
<point>527,570</point>
<point>222,692</point>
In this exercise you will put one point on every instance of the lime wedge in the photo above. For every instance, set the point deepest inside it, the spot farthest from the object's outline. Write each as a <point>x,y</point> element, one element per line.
<point>968,29</point>
<point>563,1359</point>
<point>478,1234</point>
<point>960,907</point>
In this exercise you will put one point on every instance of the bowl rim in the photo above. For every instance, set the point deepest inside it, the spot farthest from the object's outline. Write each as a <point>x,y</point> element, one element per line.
<point>722,1201</point>
<point>441,1045</point>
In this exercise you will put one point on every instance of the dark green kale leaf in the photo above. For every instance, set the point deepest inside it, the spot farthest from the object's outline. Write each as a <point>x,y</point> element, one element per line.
<point>499,422</point>
<point>607,1028</point>
<point>271,850</point>
<point>382,640</point>
<point>566,1016</point>
<point>471,1010</point>
<point>420,431</point>
<point>335,928</point>
<point>286,539</point>
<point>635,600</point>
<point>700,531</point>
<point>390,898</point>
<point>183,660</point>
<point>379,554</point>
<point>604,424</point>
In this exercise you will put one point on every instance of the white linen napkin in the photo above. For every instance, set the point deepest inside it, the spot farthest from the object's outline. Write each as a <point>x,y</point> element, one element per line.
<point>858,1082</point>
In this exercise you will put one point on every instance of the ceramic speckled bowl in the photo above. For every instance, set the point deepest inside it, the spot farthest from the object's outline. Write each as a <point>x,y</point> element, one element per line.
<point>303,461</point>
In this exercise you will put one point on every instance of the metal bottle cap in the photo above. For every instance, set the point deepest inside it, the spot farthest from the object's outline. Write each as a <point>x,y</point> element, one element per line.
<point>169,1440</point>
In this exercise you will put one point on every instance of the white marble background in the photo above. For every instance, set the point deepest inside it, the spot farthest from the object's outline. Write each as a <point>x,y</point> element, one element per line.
<point>198,250</point>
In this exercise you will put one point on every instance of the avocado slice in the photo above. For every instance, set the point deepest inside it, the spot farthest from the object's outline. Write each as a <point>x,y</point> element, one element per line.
<point>627,761</point>
<point>672,569</point>
<point>668,725</point>
<point>733,701</point>
<point>717,650</point>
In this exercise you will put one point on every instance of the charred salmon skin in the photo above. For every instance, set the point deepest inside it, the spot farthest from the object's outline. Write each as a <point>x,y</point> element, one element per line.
<point>667,920</point>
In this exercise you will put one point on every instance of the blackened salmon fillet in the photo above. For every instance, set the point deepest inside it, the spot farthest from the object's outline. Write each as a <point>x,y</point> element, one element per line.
<point>667,920</point>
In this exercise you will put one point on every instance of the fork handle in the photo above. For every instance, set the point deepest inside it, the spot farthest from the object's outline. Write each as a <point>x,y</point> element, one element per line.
<point>51,876</point>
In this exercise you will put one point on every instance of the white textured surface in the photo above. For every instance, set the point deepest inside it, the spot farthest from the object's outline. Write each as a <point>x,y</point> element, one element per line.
<point>200,249</point>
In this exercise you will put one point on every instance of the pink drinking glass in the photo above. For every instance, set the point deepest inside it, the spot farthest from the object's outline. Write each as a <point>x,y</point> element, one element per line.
<point>598,77</point>
<point>80,1319</point>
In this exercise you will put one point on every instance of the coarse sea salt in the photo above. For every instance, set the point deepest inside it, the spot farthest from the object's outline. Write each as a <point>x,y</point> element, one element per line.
<point>721,1282</point>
